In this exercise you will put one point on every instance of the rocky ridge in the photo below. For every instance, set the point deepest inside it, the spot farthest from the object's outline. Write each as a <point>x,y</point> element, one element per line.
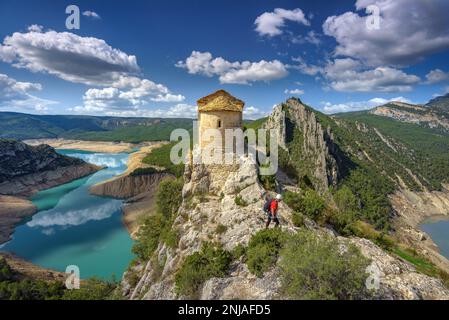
<point>319,149</point>
<point>198,219</point>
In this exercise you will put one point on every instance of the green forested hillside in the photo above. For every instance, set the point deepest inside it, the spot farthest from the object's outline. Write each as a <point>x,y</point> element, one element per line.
<point>25,126</point>
<point>422,150</point>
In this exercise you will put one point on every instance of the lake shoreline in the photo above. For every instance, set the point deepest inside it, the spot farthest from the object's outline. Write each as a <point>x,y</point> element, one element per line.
<point>414,209</point>
<point>83,145</point>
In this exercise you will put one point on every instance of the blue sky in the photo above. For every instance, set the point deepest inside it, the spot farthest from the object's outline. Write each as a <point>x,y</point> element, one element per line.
<point>156,58</point>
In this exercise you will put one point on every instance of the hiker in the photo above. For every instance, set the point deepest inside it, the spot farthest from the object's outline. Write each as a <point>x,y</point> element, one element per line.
<point>271,208</point>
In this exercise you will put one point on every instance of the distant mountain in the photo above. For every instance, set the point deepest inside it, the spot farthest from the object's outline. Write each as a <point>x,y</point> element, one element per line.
<point>26,126</point>
<point>440,104</point>
<point>435,114</point>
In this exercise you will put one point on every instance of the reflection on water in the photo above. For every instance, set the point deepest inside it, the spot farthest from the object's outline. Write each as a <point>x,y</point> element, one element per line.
<point>439,232</point>
<point>76,228</point>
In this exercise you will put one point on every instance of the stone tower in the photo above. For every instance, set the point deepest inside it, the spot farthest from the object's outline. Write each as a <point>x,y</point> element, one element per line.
<point>221,111</point>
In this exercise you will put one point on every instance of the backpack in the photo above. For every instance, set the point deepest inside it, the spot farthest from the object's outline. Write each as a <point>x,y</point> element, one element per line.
<point>267,205</point>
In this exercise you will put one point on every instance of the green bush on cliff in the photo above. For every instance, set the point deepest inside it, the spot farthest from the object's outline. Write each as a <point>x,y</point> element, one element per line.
<point>92,289</point>
<point>6,273</point>
<point>263,250</point>
<point>144,171</point>
<point>309,203</point>
<point>211,261</point>
<point>161,157</point>
<point>169,197</point>
<point>158,226</point>
<point>315,267</point>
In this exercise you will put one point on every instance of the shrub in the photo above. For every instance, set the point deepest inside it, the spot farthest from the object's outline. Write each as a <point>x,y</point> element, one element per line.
<point>169,197</point>
<point>238,251</point>
<point>6,273</point>
<point>263,250</point>
<point>161,157</point>
<point>313,267</point>
<point>313,204</point>
<point>221,229</point>
<point>310,203</point>
<point>92,289</point>
<point>210,262</point>
<point>293,200</point>
<point>346,200</point>
<point>298,219</point>
<point>31,290</point>
<point>169,236</point>
<point>365,230</point>
<point>144,171</point>
<point>240,201</point>
<point>148,236</point>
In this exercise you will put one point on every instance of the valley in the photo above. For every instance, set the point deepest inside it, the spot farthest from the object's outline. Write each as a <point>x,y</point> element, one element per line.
<point>389,168</point>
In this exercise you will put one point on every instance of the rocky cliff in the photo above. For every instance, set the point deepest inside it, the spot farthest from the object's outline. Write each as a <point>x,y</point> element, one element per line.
<point>25,169</point>
<point>128,186</point>
<point>432,115</point>
<point>311,150</point>
<point>198,220</point>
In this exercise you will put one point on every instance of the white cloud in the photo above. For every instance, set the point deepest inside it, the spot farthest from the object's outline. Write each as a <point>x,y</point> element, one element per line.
<point>359,105</point>
<point>16,95</point>
<point>436,76</point>
<point>126,94</point>
<point>349,75</point>
<point>253,113</point>
<point>86,60</point>
<point>244,72</point>
<point>91,14</point>
<point>311,37</point>
<point>35,28</point>
<point>271,23</point>
<point>381,79</point>
<point>180,110</point>
<point>409,30</point>
<point>294,91</point>
<point>68,56</point>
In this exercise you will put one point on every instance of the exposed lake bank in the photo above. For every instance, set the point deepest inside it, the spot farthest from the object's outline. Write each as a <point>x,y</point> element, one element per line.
<point>73,227</point>
<point>91,146</point>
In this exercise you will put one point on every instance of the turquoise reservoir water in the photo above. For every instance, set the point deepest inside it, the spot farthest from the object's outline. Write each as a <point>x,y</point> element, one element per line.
<point>438,231</point>
<point>73,227</point>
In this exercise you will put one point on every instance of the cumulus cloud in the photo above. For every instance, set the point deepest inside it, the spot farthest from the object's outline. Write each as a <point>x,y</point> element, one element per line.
<point>66,55</point>
<point>330,108</point>
<point>271,23</point>
<point>436,76</point>
<point>126,94</point>
<point>409,30</point>
<point>180,110</point>
<point>228,72</point>
<point>17,96</point>
<point>89,61</point>
<point>294,91</point>
<point>91,14</point>
<point>349,75</point>
<point>253,113</point>
<point>311,37</point>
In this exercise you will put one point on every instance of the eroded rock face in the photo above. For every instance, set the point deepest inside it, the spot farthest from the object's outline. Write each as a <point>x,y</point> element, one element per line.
<point>197,222</point>
<point>19,159</point>
<point>319,150</point>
